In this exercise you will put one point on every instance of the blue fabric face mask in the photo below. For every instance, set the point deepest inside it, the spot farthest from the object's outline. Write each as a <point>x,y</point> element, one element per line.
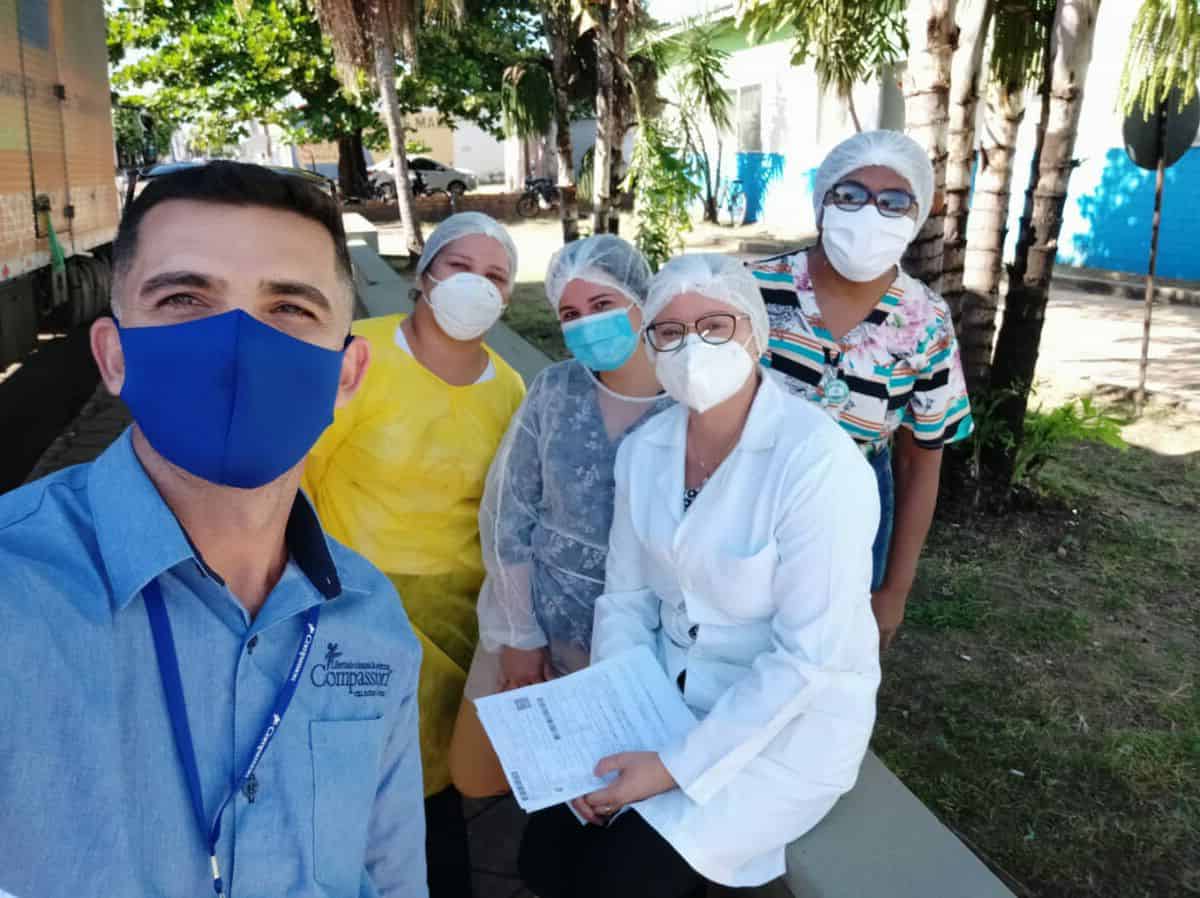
<point>602,342</point>
<point>228,398</point>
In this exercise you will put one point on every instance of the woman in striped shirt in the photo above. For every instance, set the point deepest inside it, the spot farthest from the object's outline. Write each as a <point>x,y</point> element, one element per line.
<point>851,332</point>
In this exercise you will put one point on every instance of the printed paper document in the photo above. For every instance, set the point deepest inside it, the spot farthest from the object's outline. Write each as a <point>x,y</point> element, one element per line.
<point>549,737</point>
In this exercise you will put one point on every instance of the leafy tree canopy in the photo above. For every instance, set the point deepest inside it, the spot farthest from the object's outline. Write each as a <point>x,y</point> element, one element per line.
<point>207,63</point>
<point>847,41</point>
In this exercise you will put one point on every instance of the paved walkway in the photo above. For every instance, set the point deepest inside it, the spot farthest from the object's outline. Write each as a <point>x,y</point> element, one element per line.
<point>1092,341</point>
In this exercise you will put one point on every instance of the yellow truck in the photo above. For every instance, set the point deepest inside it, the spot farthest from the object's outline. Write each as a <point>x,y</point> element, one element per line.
<point>59,206</point>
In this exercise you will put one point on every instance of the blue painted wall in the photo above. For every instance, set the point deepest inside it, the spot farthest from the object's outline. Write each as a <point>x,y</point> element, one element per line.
<point>1106,222</point>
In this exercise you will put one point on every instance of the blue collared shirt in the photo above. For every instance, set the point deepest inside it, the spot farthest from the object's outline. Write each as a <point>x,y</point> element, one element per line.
<point>93,800</point>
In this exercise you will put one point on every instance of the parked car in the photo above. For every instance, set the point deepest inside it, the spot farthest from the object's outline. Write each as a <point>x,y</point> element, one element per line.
<point>146,175</point>
<point>433,175</point>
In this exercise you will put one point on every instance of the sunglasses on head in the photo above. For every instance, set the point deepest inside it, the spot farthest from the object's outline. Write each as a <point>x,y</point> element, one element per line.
<point>850,196</point>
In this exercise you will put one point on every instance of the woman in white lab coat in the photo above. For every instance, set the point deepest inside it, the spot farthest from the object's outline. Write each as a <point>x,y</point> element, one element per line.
<point>740,553</point>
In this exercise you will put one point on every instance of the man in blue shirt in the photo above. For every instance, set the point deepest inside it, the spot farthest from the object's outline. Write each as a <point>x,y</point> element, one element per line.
<point>198,689</point>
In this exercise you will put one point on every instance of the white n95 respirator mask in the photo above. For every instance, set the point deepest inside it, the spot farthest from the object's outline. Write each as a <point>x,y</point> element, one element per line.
<point>465,305</point>
<point>862,245</point>
<point>702,376</point>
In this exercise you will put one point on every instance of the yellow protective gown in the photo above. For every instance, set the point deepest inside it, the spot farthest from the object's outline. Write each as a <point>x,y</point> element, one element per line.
<point>398,477</point>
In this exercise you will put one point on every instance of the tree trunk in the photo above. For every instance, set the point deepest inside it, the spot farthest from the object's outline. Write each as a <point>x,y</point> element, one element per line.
<point>987,230</point>
<point>973,19</point>
<point>1025,303</point>
<point>605,121</point>
<point>556,17</point>
<point>352,167</point>
<point>621,108</point>
<point>385,77</point>
<point>932,37</point>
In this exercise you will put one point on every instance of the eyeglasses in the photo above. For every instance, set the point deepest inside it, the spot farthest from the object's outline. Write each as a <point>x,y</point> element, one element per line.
<point>850,196</point>
<point>714,329</point>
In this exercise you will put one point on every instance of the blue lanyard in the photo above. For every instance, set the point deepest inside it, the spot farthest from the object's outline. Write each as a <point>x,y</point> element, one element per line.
<point>168,670</point>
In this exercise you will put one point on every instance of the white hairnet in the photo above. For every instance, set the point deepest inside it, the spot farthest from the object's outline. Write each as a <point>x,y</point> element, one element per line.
<point>718,277</point>
<point>464,224</point>
<point>604,259</point>
<point>889,149</point>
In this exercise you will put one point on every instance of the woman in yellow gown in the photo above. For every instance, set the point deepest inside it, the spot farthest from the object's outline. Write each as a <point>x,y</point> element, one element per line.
<point>399,475</point>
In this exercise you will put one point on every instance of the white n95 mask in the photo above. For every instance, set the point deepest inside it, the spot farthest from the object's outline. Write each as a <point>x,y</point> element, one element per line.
<point>863,245</point>
<point>702,376</point>
<point>465,305</point>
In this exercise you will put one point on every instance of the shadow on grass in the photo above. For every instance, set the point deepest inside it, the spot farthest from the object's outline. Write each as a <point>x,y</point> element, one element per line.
<point>1042,697</point>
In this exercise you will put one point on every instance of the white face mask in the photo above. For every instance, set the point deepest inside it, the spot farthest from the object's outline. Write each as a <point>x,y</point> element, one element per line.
<point>702,376</point>
<point>863,245</point>
<point>465,305</point>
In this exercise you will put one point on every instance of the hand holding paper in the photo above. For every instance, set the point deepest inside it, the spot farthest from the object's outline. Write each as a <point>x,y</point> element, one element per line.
<point>549,737</point>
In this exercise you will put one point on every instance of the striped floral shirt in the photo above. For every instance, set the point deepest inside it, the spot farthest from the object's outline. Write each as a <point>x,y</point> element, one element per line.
<point>899,368</point>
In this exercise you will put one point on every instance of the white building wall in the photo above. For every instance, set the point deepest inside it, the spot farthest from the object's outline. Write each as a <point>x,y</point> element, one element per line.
<point>478,151</point>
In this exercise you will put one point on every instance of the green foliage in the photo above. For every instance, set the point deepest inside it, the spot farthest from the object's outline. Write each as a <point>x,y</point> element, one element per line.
<point>663,186</point>
<point>698,66</point>
<point>1019,40</point>
<point>203,63</point>
<point>1048,433</point>
<point>527,99</point>
<point>140,137</point>
<point>1164,54</point>
<point>847,41</point>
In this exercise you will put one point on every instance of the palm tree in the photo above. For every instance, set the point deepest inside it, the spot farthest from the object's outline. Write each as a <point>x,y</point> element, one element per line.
<point>703,103</point>
<point>848,41</point>
<point>1020,34</point>
<point>364,35</point>
<point>618,75</point>
<point>973,19</point>
<point>603,15</point>
<point>1163,55</point>
<point>527,101</point>
<point>1029,279</point>
<point>561,26</point>
<point>932,38</point>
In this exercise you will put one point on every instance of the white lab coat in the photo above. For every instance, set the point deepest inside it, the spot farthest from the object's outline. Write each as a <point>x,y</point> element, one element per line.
<point>772,566</point>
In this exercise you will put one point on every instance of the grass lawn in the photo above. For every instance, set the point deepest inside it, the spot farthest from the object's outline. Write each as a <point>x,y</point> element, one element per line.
<point>530,315</point>
<point>1042,698</point>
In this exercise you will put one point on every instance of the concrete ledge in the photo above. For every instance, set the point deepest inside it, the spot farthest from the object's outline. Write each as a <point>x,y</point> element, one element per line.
<point>880,840</point>
<point>358,228</point>
<point>1121,283</point>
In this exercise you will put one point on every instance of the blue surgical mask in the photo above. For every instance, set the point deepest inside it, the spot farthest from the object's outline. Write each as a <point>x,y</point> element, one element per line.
<point>228,398</point>
<point>604,341</point>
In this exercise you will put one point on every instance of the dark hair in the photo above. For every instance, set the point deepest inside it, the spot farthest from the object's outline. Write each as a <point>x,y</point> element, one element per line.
<point>234,184</point>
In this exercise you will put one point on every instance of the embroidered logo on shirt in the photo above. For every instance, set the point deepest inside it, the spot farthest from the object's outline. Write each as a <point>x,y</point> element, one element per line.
<point>362,679</point>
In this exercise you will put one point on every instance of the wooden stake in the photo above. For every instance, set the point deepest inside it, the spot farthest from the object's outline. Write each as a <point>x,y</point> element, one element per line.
<point>1139,396</point>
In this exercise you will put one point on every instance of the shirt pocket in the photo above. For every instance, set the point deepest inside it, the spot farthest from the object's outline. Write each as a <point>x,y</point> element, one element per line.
<point>742,581</point>
<point>345,761</point>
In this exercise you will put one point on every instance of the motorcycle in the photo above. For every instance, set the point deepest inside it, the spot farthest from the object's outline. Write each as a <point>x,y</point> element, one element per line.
<point>540,194</point>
